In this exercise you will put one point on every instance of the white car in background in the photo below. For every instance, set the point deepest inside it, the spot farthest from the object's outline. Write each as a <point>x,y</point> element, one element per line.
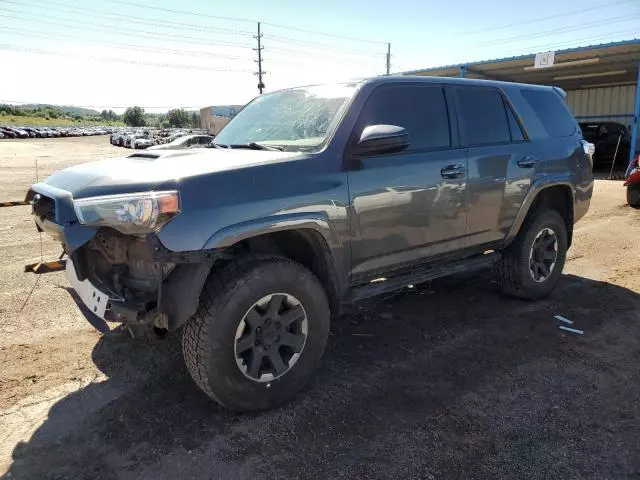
<point>143,142</point>
<point>128,139</point>
<point>186,141</point>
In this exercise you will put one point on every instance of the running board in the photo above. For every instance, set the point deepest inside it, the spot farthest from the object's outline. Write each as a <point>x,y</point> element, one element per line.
<point>421,275</point>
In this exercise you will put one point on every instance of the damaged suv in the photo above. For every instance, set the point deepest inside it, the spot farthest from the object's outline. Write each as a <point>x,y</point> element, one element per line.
<point>314,198</point>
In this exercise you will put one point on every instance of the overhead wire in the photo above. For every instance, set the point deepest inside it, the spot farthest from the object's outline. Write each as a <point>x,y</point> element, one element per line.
<point>109,29</point>
<point>198,14</point>
<point>550,17</point>
<point>120,60</point>
<point>131,18</point>
<point>575,42</point>
<point>573,28</point>
<point>124,46</point>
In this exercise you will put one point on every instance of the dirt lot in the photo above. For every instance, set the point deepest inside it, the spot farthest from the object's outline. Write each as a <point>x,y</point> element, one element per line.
<point>447,380</point>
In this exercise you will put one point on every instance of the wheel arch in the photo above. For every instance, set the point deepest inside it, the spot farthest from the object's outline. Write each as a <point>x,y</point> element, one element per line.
<point>555,195</point>
<point>309,240</point>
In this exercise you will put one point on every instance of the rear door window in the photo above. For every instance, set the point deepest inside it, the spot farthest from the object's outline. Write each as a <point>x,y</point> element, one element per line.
<point>552,112</point>
<point>483,118</point>
<point>420,109</point>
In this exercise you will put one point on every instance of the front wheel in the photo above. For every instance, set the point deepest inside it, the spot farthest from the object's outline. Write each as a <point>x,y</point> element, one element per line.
<point>633,195</point>
<point>531,266</point>
<point>259,332</point>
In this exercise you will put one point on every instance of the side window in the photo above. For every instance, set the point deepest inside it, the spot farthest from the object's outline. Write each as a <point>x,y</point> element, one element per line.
<point>552,112</point>
<point>483,117</point>
<point>514,126</point>
<point>422,110</point>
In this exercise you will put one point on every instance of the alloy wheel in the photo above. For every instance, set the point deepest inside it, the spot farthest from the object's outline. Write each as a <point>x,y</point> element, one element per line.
<point>543,255</point>
<point>270,337</point>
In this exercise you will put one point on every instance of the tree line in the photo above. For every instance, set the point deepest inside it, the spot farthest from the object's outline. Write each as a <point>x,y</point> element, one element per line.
<point>177,118</point>
<point>133,116</point>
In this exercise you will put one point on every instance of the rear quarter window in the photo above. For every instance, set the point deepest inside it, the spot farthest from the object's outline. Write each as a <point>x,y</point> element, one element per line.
<point>551,111</point>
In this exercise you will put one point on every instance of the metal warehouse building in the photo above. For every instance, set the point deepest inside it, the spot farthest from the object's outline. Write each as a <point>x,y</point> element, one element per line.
<point>602,81</point>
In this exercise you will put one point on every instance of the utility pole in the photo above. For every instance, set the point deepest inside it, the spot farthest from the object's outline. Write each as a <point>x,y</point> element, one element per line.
<point>388,58</point>
<point>259,73</point>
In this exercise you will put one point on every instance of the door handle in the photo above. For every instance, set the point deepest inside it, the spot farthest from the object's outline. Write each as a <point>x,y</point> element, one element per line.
<point>453,171</point>
<point>527,162</point>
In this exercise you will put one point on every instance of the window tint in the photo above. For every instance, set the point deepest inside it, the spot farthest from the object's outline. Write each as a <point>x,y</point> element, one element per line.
<point>482,116</point>
<point>514,126</point>
<point>551,111</point>
<point>422,110</point>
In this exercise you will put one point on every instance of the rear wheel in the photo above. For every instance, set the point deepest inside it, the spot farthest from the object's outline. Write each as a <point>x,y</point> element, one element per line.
<point>633,195</point>
<point>531,266</point>
<point>259,333</point>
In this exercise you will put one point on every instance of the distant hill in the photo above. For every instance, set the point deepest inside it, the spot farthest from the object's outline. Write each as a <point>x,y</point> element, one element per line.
<point>71,110</point>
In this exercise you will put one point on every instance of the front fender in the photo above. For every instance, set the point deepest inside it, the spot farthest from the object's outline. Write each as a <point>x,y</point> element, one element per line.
<point>536,187</point>
<point>240,231</point>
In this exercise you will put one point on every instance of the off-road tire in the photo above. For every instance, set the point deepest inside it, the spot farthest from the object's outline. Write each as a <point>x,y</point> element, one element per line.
<point>209,337</point>
<point>633,196</point>
<point>512,271</point>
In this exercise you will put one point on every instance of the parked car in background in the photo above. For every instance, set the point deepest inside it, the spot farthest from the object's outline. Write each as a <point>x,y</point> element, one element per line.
<point>315,198</point>
<point>8,133</point>
<point>186,141</point>
<point>142,142</point>
<point>128,139</point>
<point>605,137</point>
<point>632,182</point>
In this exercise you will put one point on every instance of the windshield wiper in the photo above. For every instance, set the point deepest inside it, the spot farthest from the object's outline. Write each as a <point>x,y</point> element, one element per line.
<point>252,146</point>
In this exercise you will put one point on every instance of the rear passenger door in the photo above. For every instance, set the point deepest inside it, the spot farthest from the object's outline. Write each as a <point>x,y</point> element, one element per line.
<point>407,205</point>
<point>500,166</point>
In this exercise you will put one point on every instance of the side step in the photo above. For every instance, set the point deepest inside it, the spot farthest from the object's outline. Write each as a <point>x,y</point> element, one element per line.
<point>421,275</point>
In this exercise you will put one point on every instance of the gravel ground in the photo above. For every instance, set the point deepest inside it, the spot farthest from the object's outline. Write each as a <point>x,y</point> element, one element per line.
<point>446,380</point>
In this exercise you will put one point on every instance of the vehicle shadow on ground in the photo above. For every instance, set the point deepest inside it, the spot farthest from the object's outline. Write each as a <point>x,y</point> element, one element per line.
<point>445,380</point>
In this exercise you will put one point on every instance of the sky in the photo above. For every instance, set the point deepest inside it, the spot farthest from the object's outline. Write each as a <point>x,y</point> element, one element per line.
<point>118,53</point>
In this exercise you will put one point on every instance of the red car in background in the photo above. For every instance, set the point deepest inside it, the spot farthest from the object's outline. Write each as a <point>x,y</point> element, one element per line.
<point>632,183</point>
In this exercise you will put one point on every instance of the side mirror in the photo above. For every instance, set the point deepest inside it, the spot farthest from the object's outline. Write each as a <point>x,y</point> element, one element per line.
<point>382,138</point>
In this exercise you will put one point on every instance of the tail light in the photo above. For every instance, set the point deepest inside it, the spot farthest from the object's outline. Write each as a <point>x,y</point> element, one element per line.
<point>589,148</point>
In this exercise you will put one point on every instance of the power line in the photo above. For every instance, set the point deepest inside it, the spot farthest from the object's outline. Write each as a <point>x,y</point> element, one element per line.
<point>125,46</point>
<point>133,4</point>
<point>128,18</point>
<point>120,60</point>
<point>306,54</point>
<point>539,48</point>
<point>572,28</point>
<point>109,29</point>
<point>321,46</point>
<point>550,17</point>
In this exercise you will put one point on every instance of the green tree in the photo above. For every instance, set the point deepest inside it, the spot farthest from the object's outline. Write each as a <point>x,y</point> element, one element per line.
<point>195,119</point>
<point>178,118</point>
<point>134,117</point>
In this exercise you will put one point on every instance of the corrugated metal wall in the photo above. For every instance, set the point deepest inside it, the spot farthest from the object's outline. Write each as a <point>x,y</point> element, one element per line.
<point>604,103</point>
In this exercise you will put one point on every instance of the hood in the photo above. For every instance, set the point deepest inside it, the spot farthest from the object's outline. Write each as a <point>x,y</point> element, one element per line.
<point>158,169</point>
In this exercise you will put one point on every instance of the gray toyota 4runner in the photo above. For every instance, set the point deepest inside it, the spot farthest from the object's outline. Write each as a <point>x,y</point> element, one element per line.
<point>311,199</point>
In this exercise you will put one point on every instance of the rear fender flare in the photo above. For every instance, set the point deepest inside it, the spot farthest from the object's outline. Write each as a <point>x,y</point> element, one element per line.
<point>533,192</point>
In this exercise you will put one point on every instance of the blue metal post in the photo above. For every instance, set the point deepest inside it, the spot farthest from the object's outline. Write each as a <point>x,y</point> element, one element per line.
<point>462,70</point>
<point>635,124</point>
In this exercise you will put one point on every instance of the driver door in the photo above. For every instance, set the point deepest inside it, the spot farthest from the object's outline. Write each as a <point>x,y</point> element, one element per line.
<point>407,206</point>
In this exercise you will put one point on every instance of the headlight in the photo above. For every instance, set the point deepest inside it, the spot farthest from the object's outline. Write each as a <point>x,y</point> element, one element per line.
<point>129,213</point>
